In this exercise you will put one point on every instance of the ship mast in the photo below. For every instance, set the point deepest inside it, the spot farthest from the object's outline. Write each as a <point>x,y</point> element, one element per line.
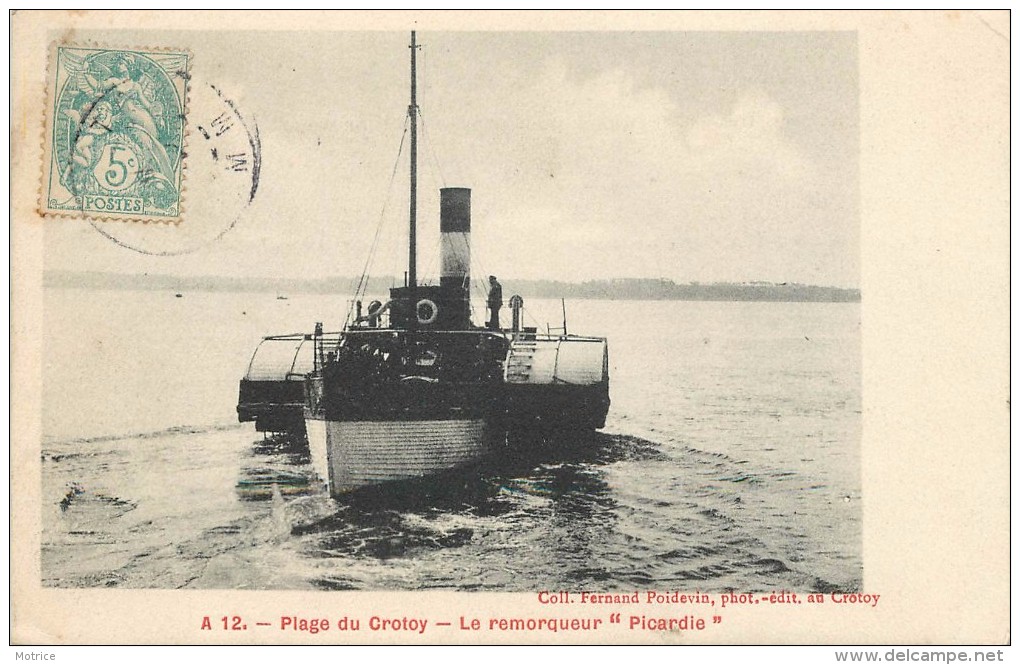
<point>412,111</point>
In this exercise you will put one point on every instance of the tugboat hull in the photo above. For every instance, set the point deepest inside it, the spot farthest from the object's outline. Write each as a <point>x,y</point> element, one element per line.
<point>365,453</point>
<point>420,393</point>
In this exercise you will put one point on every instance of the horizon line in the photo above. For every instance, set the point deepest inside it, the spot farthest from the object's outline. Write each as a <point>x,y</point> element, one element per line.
<point>394,279</point>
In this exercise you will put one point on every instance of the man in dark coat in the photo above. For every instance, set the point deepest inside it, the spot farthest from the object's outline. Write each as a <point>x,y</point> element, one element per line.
<point>495,302</point>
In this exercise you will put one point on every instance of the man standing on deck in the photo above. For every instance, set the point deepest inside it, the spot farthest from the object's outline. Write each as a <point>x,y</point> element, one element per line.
<point>495,302</point>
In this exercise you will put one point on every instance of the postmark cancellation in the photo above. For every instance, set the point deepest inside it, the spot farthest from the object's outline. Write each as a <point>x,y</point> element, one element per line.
<point>114,144</point>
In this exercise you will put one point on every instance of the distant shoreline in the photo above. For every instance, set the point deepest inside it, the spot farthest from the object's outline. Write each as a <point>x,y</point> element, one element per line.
<point>609,289</point>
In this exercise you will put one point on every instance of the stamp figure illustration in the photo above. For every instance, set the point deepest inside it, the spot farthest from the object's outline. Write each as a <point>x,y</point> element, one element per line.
<point>115,141</point>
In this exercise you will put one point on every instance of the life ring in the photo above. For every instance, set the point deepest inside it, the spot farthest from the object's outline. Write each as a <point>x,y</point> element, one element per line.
<point>433,310</point>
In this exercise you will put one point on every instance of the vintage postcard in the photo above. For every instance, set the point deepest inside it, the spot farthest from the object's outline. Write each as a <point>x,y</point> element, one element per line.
<point>516,328</point>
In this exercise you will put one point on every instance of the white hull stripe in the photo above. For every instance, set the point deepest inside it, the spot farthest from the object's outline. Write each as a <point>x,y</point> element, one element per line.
<point>362,453</point>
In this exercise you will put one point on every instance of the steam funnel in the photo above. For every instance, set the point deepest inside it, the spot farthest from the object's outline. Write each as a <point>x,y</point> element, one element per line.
<point>455,237</point>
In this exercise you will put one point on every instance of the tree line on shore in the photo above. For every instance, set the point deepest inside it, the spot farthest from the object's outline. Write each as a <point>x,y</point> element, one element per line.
<point>605,289</point>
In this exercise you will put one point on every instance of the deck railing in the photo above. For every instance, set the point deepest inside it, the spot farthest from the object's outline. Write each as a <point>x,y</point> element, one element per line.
<point>324,343</point>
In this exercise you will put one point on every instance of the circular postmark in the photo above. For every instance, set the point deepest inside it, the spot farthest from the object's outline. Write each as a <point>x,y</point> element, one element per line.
<point>223,163</point>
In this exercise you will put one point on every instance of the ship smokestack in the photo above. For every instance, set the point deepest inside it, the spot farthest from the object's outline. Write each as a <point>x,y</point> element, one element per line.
<point>455,238</point>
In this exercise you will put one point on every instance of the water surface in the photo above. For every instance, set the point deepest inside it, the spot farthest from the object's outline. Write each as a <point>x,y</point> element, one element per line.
<point>730,459</point>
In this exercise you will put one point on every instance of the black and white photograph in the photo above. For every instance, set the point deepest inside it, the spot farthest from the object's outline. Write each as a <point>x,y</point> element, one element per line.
<point>569,323</point>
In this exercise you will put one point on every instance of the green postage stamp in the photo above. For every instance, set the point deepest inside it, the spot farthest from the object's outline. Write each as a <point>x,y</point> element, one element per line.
<point>114,143</point>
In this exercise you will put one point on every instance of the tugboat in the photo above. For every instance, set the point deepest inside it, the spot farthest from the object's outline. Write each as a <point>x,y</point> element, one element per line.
<point>413,388</point>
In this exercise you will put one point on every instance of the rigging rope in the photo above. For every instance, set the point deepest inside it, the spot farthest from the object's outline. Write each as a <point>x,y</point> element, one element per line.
<point>482,281</point>
<point>435,172</point>
<point>431,271</point>
<point>363,281</point>
<point>432,148</point>
<point>481,284</point>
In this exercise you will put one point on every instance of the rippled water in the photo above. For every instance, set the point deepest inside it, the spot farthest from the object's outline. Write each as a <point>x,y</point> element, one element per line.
<point>730,460</point>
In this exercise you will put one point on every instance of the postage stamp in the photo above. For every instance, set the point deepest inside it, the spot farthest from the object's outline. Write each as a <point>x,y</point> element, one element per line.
<point>114,141</point>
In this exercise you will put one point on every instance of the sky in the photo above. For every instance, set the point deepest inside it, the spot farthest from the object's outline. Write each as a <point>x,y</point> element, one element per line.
<point>691,156</point>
